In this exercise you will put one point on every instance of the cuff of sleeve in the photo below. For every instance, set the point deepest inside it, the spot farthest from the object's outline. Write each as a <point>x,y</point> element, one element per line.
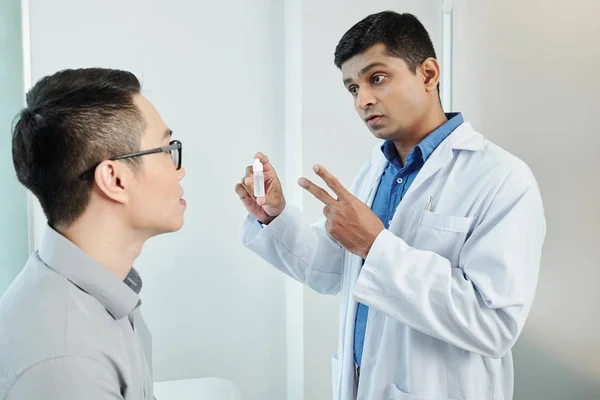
<point>253,229</point>
<point>377,251</point>
<point>374,271</point>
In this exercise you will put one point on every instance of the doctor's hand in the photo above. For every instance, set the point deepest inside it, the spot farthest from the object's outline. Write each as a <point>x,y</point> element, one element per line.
<point>349,221</point>
<point>264,209</point>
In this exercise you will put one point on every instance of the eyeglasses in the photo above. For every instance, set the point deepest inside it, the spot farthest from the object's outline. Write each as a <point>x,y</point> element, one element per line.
<point>174,148</point>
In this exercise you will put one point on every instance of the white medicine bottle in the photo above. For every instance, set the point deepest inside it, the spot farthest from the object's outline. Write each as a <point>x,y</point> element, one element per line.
<point>259,178</point>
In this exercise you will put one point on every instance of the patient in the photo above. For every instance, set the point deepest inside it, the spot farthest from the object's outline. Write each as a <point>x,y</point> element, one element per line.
<point>100,159</point>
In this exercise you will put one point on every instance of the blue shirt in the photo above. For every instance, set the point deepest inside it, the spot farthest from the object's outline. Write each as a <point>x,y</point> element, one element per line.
<point>395,181</point>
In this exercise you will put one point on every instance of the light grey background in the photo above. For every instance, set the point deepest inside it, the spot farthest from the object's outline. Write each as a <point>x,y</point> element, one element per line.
<point>526,76</point>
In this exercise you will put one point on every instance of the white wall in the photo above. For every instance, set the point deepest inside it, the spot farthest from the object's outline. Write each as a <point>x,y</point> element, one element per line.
<point>334,135</point>
<point>525,74</point>
<point>215,72</point>
<point>13,205</point>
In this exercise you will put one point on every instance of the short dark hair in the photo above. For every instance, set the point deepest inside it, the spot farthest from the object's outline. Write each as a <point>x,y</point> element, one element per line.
<point>403,35</point>
<point>72,120</point>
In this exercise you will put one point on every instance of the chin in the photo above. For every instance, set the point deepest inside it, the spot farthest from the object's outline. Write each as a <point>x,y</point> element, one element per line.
<point>174,227</point>
<point>382,134</point>
<point>168,227</point>
<point>387,132</point>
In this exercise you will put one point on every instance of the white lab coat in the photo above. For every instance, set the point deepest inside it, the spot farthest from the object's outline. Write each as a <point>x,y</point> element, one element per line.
<point>448,289</point>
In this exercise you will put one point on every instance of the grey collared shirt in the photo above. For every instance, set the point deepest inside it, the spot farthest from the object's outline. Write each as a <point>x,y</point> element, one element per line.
<point>71,330</point>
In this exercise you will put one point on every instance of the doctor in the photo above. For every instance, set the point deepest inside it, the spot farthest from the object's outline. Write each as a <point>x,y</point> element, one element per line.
<point>436,246</point>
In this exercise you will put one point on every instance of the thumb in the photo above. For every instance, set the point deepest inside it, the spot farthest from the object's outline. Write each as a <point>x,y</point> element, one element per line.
<point>267,166</point>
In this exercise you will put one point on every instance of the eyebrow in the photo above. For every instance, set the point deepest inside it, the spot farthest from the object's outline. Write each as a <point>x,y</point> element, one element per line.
<point>168,133</point>
<point>365,70</point>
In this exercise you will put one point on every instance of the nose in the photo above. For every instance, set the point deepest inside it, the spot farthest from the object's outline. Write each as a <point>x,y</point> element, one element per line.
<point>365,99</point>
<point>181,173</point>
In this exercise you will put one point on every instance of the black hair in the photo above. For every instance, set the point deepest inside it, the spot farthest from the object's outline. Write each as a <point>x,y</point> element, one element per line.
<point>73,119</point>
<point>403,36</point>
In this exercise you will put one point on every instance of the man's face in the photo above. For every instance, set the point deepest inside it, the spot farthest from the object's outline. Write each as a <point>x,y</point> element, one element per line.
<point>387,95</point>
<point>155,199</point>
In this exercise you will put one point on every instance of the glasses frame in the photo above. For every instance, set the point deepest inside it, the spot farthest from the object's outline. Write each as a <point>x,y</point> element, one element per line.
<point>173,145</point>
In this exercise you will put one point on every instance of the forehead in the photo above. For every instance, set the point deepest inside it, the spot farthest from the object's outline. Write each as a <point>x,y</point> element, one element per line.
<point>155,126</point>
<point>374,56</point>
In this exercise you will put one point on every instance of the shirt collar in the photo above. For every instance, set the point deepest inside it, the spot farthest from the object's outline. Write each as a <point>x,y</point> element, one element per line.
<point>426,147</point>
<point>118,297</point>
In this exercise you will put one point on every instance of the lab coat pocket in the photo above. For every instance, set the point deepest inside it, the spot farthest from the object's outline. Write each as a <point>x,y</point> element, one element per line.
<point>335,376</point>
<point>448,223</point>
<point>444,234</point>
<point>397,394</point>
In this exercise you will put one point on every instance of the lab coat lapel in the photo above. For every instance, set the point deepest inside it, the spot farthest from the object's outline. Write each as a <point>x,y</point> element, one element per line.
<point>438,159</point>
<point>463,138</point>
<point>367,192</point>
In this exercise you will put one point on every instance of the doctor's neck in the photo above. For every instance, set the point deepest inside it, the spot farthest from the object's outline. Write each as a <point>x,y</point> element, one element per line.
<point>409,138</point>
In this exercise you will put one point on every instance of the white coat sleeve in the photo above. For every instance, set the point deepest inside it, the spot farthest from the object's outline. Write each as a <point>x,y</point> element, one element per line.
<point>479,305</point>
<point>304,252</point>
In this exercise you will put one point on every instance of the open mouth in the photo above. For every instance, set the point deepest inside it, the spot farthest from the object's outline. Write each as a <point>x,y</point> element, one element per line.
<point>373,119</point>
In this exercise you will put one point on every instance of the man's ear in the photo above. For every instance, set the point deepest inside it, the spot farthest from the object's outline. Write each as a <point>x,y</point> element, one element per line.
<point>430,69</point>
<point>113,178</point>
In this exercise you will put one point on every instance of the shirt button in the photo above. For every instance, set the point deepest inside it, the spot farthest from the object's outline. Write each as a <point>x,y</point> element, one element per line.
<point>389,222</point>
<point>399,180</point>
